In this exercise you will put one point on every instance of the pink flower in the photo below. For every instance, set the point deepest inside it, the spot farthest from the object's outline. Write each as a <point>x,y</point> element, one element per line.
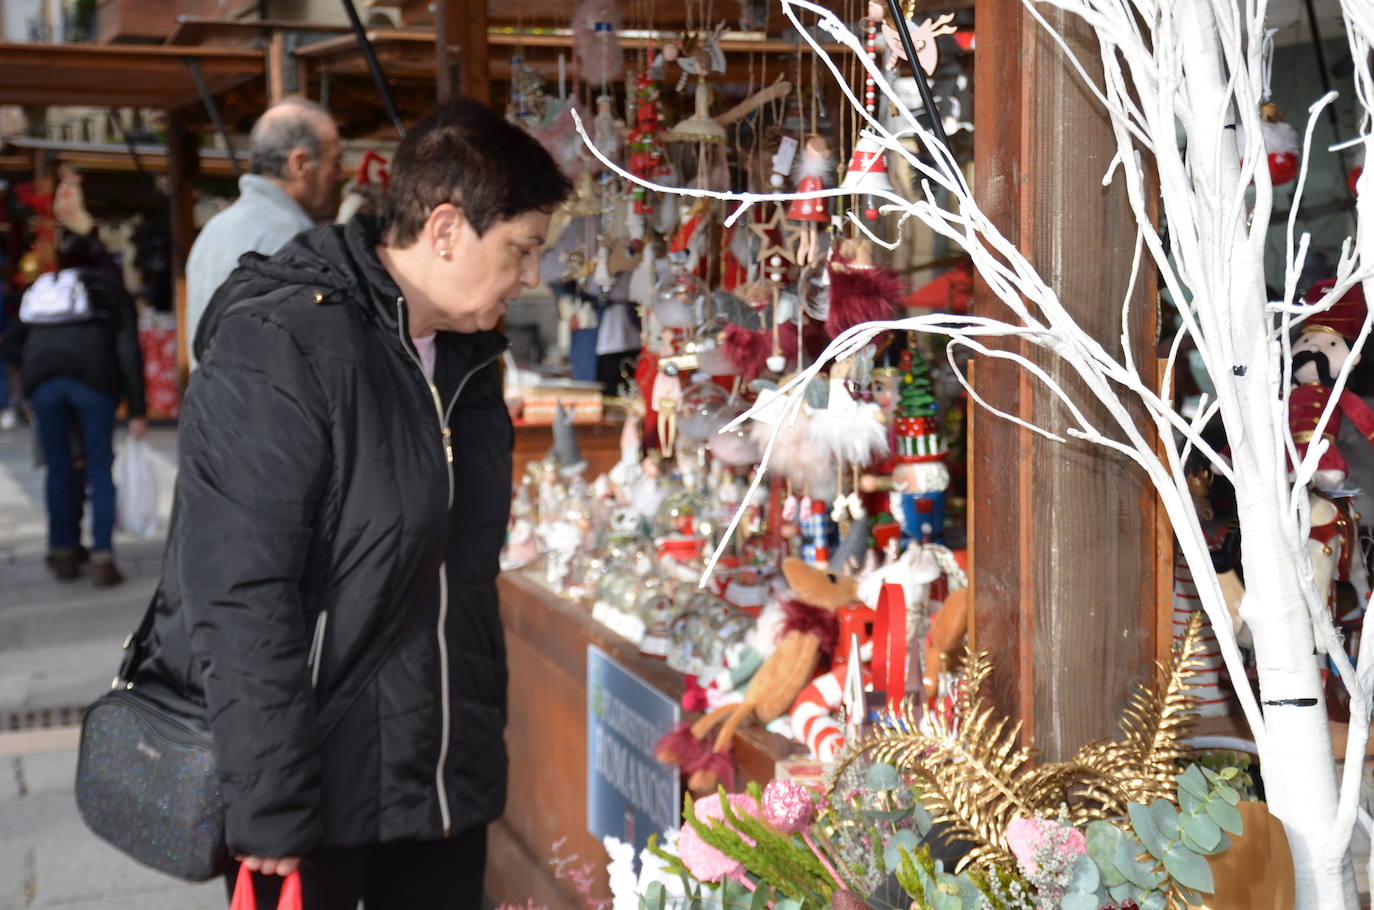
<point>787,806</point>
<point>1035,840</point>
<point>705,862</point>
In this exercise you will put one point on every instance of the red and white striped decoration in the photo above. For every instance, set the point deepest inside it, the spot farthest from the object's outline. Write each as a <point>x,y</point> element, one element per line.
<point>1212,701</point>
<point>813,720</point>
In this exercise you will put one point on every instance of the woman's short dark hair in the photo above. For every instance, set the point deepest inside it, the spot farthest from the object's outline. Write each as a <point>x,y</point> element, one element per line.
<point>77,251</point>
<point>466,154</point>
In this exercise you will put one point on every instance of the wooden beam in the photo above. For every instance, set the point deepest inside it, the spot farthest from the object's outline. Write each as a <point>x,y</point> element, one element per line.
<point>183,163</point>
<point>1065,577</point>
<point>467,21</point>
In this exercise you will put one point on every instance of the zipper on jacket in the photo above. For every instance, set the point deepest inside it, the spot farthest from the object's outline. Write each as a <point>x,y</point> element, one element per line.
<point>443,414</point>
<point>441,790</point>
<point>316,647</point>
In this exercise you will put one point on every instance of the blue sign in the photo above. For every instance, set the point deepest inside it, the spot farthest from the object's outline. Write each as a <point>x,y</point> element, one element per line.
<point>630,794</point>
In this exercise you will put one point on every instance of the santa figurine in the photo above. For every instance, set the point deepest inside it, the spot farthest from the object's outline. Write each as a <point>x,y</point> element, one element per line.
<point>815,170</point>
<point>1318,356</point>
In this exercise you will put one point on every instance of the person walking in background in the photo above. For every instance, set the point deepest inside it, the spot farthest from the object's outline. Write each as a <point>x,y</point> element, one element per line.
<point>296,172</point>
<point>77,348</point>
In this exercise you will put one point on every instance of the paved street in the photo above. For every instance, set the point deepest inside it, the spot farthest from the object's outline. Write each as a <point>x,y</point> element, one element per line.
<point>59,646</point>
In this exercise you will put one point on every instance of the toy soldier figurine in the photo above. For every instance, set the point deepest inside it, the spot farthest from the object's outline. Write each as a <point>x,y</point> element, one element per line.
<point>1318,356</point>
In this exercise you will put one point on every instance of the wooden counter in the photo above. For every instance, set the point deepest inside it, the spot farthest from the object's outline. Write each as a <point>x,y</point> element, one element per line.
<point>546,647</point>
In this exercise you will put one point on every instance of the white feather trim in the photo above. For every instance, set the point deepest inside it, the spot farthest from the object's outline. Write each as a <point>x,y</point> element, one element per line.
<point>855,437</point>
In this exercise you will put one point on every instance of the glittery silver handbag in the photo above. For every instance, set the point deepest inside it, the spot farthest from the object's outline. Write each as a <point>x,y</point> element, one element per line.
<point>145,774</point>
<point>146,782</point>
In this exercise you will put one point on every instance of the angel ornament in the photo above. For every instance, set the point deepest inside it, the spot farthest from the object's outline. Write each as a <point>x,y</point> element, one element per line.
<point>815,170</point>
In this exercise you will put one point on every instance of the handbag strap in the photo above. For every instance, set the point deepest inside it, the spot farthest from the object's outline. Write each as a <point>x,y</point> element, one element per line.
<point>363,672</point>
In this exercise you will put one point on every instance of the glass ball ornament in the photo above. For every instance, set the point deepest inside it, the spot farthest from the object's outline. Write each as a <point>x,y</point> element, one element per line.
<point>679,300</point>
<point>683,514</point>
<point>702,411</point>
<point>734,448</point>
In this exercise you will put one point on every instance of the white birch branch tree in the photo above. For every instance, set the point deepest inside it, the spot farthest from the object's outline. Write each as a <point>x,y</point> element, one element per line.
<point>1177,78</point>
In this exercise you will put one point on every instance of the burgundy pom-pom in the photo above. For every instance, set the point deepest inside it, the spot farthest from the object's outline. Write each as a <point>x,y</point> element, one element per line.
<point>715,767</point>
<point>747,350</point>
<point>861,295</point>
<point>679,747</point>
<point>818,622</point>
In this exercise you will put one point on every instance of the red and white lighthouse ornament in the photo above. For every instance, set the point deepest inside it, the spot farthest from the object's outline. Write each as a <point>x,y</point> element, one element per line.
<point>867,172</point>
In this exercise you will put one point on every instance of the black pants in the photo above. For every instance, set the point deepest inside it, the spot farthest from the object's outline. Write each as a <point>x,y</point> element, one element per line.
<point>438,875</point>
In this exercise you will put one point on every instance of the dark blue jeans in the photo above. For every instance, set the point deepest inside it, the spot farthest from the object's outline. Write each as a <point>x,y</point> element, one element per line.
<point>55,403</point>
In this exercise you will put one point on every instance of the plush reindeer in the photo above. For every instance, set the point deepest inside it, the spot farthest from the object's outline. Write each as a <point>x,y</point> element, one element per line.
<point>809,631</point>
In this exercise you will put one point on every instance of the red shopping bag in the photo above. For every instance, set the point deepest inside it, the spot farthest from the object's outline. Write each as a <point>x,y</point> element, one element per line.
<point>245,899</point>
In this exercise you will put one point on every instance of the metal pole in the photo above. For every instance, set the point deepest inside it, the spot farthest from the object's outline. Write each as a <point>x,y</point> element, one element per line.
<point>937,128</point>
<point>378,77</point>
<point>1320,53</point>
<point>128,140</point>
<point>208,100</point>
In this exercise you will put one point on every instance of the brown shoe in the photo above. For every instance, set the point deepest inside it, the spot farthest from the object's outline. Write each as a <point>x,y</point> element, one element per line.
<point>65,564</point>
<point>104,572</point>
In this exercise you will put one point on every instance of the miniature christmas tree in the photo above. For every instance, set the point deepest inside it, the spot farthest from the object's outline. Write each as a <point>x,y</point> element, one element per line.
<point>917,395</point>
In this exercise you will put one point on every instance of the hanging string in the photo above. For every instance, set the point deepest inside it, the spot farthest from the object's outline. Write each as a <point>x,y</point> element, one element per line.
<point>1267,62</point>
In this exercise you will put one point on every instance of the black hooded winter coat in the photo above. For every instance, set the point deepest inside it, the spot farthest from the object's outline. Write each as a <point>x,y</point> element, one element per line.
<point>314,491</point>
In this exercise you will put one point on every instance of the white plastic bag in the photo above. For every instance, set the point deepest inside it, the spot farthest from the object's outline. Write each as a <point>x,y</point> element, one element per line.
<point>136,490</point>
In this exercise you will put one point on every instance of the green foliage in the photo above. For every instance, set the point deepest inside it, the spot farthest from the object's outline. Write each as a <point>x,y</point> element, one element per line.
<point>778,861</point>
<point>1162,857</point>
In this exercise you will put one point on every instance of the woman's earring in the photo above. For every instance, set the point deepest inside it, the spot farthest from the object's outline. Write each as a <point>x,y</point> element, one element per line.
<point>445,253</point>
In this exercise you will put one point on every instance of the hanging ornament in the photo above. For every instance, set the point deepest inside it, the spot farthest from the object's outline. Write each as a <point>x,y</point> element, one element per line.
<point>596,26</point>
<point>1281,144</point>
<point>645,154</point>
<point>867,171</point>
<point>815,171</point>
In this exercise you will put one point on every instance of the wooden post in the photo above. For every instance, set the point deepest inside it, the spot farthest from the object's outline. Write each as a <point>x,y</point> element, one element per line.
<point>464,23</point>
<point>183,165</point>
<point>276,66</point>
<point>1064,572</point>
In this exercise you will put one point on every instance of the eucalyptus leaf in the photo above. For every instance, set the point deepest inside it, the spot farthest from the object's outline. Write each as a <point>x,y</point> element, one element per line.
<point>1188,869</point>
<point>892,851</point>
<point>1086,878</point>
<point>1137,873</point>
<point>1190,804</point>
<point>921,818</point>
<point>1193,782</point>
<point>762,895</point>
<point>1077,901</point>
<point>656,895</point>
<point>1166,818</point>
<point>1203,830</point>
<point>889,816</point>
<point>1225,815</point>
<point>787,903</point>
<point>1103,839</point>
<point>1229,774</point>
<point>1143,822</point>
<point>882,776</point>
<point>1151,901</point>
<point>1226,793</point>
<point>1121,892</point>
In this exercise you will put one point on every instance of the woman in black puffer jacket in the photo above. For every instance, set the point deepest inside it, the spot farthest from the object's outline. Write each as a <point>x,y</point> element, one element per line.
<point>329,588</point>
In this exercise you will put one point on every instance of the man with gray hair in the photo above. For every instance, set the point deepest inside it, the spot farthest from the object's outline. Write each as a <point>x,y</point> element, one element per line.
<point>296,168</point>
